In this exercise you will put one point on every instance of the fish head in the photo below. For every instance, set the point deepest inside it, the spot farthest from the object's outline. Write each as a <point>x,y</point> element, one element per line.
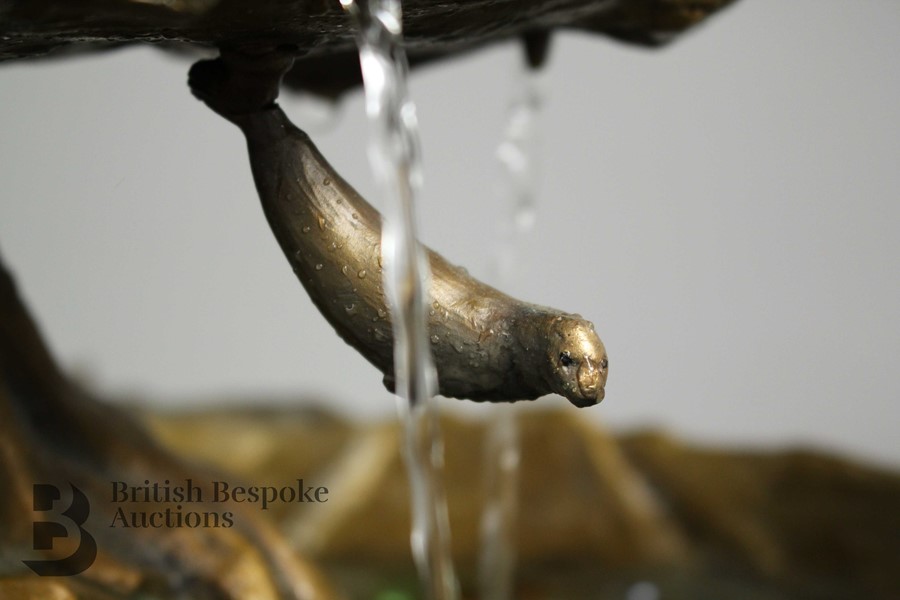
<point>576,364</point>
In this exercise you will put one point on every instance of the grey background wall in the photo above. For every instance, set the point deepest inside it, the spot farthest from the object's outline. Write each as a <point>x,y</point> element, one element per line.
<point>725,210</point>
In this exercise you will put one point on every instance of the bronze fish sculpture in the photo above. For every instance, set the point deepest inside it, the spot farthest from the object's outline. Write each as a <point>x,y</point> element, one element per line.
<point>487,346</point>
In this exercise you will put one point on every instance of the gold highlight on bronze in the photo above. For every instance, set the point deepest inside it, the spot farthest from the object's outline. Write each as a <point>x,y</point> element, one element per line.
<point>487,346</point>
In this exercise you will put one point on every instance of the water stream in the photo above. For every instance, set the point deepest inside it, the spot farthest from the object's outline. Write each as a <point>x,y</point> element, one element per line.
<point>517,154</point>
<point>395,158</point>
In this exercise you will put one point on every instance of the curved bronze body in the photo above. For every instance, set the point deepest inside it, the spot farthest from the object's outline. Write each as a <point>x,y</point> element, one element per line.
<point>486,345</point>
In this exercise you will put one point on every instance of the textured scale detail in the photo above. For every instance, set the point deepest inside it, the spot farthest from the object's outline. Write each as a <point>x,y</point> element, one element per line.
<point>518,345</point>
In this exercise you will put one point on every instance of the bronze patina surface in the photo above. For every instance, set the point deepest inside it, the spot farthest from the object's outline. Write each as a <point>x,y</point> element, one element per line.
<point>54,432</point>
<point>318,33</point>
<point>486,344</point>
<point>598,510</point>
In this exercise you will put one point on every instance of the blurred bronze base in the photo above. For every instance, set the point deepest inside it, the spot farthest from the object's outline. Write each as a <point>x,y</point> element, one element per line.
<point>598,513</point>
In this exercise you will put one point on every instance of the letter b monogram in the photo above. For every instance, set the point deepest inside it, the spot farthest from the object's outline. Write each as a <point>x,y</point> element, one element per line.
<point>45,532</point>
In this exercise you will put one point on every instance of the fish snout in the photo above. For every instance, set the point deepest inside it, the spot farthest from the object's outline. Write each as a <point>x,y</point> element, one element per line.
<point>590,383</point>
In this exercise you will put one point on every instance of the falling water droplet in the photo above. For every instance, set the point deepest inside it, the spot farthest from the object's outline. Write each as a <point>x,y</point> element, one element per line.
<point>319,267</point>
<point>306,229</point>
<point>361,274</point>
<point>382,313</point>
<point>326,181</point>
<point>345,270</point>
<point>435,339</point>
<point>321,222</point>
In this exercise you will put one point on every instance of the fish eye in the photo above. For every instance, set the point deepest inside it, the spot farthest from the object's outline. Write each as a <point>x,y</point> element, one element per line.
<point>604,363</point>
<point>565,359</point>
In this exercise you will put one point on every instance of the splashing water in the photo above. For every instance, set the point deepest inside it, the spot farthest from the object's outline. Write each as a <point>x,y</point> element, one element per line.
<point>516,153</point>
<point>395,157</point>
